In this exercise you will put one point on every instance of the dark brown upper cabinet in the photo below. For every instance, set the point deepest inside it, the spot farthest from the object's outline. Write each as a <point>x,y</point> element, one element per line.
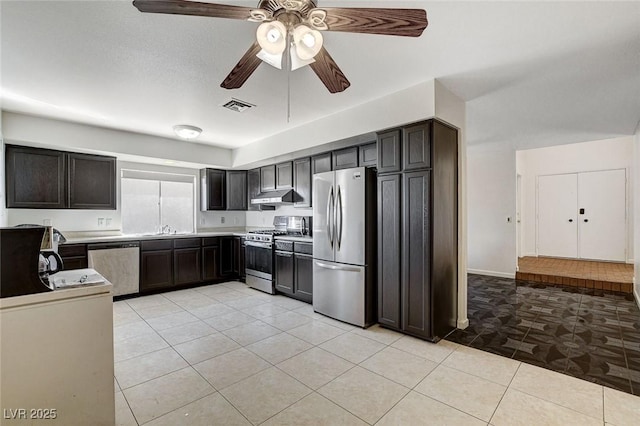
<point>50,179</point>
<point>302,182</point>
<point>368,156</point>
<point>284,175</point>
<point>213,189</point>
<point>92,182</point>
<point>236,190</point>
<point>36,178</point>
<point>389,152</point>
<point>417,146</point>
<point>268,178</point>
<point>345,158</point>
<point>253,188</point>
<point>321,163</point>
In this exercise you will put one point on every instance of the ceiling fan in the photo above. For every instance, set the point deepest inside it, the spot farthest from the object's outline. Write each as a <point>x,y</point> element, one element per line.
<point>290,35</point>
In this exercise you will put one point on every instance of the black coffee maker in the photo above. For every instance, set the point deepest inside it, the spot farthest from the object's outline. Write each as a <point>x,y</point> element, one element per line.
<point>20,261</point>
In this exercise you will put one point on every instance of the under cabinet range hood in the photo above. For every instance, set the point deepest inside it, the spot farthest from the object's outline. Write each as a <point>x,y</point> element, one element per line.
<point>274,198</point>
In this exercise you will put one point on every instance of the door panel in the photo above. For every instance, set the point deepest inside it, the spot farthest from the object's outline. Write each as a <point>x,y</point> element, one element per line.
<point>557,211</point>
<point>323,215</point>
<point>350,214</point>
<point>602,227</point>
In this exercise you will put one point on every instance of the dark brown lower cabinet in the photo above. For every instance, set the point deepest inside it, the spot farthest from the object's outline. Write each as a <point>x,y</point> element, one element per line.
<point>303,282</point>
<point>210,263</point>
<point>227,256</point>
<point>284,272</point>
<point>74,256</point>
<point>156,269</point>
<point>240,261</point>
<point>187,264</point>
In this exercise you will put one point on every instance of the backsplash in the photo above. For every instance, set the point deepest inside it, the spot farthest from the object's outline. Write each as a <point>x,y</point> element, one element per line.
<point>67,219</point>
<point>264,219</point>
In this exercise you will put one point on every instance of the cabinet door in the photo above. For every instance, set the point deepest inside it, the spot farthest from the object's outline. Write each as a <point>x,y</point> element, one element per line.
<point>302,182</point>
<point>321,163</point>
<point>236,190</point>
<point>389,152</point>
<point>187,265</point>
<point>92,182</point>
<point>213,189</point>
<point>417,146</point>
<point>416,268</point>
<point>303,282</point>
<point>268,178</point>
<point>368,156</point>
<point>35,178</point>
<point>156,270</point>
<point>253,184</point>
<point>345,158</point>
<point>284,271</point>
<point>284,175</point>
<point>389,256</point>
<point>74,256</point>
<point>240,256</point>
<point>227,256</point>
<point>210,263</point>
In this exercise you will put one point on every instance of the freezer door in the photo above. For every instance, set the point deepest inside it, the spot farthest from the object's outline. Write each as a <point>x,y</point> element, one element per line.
<point>323,220</point>
<point>339,291</point>
<point>350,216</point>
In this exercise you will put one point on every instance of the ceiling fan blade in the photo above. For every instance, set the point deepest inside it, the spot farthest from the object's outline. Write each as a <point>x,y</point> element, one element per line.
<point>328,71</point>
<point>182,7</point>
<point>399,22</point>
<point>243,70</point>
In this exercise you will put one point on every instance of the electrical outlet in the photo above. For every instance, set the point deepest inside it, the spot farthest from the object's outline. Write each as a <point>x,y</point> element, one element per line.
<point>201,220</point>
<point>100,222</point>
<point>46,222</point>
<point>108,222</point>
<point>222,219</point>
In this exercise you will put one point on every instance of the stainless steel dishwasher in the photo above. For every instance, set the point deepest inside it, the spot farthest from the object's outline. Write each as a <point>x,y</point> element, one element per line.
<point>119,263</point>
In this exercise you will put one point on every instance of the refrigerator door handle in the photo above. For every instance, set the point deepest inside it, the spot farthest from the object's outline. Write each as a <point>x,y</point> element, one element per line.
<point>339,213</point>
<point>338,268</point>
<point>329,216</point>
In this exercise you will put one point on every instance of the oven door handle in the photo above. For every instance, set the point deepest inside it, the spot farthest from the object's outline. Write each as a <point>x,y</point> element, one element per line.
<point>259,245</point>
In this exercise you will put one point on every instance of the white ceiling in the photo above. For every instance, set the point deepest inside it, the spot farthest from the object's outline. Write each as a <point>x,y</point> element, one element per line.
<point>532,73</point>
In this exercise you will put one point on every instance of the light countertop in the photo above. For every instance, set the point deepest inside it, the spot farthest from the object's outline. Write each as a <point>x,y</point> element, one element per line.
<point>84,239</point>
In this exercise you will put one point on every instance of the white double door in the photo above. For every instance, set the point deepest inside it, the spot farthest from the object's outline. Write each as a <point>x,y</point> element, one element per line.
<point>583,215</point>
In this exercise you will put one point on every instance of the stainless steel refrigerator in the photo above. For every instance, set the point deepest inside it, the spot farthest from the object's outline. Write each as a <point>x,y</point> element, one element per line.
<point>344,245</point>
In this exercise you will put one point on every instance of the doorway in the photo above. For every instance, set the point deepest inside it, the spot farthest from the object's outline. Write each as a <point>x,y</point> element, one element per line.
<point>582,215</point>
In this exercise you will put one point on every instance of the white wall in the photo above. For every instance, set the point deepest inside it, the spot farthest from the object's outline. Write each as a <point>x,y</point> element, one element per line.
<point>406,106</point>
<point>573,158</point>
<point>3,210</point>
<point>635,172</point>
<point>491,198</point>
<point>37,131</point>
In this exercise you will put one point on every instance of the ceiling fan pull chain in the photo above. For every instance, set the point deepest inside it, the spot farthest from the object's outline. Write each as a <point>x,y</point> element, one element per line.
<point>288,65</point>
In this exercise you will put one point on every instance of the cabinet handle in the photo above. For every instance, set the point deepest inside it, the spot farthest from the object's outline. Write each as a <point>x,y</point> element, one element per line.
<point>586,220</point>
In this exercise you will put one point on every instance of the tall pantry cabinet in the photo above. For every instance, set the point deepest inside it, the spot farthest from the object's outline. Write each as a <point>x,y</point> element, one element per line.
<point>418,229</point>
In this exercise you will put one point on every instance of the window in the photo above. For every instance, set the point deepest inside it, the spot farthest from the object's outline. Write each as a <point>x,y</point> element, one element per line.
<point>151,201</point>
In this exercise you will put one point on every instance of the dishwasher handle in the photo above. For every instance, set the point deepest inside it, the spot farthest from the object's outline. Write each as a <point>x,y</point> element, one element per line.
<point>108,246</point>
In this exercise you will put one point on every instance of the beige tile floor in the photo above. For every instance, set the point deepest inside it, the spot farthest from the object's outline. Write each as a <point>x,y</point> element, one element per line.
<point>229,355</point>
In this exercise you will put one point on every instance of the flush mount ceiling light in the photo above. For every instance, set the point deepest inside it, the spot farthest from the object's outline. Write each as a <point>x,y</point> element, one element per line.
<point>186,131</point>
<point>289,33</point>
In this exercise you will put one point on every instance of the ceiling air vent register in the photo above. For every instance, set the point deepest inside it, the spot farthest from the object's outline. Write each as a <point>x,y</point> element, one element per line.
<point>237,105</point>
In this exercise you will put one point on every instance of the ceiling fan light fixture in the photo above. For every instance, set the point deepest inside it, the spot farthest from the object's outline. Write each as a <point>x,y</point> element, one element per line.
<point>273,60</point>
<point>308,41</point>
<point>272,37</point>
<point>186,131</point>
<point>297,62</point>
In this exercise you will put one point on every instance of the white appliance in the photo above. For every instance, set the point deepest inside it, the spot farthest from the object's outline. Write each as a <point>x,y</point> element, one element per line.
<point>344,226</point>
<point>119,263</point>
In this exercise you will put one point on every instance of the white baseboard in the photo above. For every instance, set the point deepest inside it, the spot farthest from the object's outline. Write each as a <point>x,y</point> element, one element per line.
<point>637,296</point>
<point>529,255</point>
<point>631,261</point>
<point>491,273</point>
<point>463,324</point>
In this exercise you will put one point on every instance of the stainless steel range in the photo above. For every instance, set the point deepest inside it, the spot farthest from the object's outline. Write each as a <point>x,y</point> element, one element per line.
<point>259,250</point>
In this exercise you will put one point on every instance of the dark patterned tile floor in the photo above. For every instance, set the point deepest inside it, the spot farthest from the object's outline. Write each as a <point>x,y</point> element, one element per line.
<point>589,334</point>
